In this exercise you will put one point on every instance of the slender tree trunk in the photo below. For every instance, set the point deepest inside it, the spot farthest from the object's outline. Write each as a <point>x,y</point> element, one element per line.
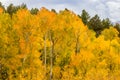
<point>109,75</point>
<point>77,50</point>
<point>45,52</point>
<point>51,55</point>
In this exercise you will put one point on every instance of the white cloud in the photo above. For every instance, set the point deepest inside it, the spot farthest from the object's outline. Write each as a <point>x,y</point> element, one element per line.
<point>4,2</point>
<point>114,10</point>
<point>101,10</point>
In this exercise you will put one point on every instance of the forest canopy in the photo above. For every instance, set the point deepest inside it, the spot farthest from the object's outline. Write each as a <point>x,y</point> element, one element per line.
<point>41,44</point>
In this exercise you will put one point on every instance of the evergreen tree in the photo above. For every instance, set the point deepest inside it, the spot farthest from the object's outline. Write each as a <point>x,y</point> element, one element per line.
<point>117,26</point>
<point>85,17</point>
<point>34,11</point>
<point>95,24</point>
<point>106,23</point>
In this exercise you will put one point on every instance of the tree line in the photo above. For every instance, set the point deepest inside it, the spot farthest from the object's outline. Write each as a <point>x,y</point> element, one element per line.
<point>94,23</point>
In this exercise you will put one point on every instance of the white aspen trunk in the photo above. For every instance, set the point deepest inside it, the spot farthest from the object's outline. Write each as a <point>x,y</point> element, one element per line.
<point>45,52</point>
<point>51,52</point>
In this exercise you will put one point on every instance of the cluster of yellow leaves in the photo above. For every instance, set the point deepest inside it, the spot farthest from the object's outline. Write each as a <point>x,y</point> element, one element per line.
<point>1,10</point>
<point>76,53</point>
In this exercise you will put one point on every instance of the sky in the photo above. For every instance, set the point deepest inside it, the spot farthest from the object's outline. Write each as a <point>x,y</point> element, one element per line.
<point>104,8</point>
